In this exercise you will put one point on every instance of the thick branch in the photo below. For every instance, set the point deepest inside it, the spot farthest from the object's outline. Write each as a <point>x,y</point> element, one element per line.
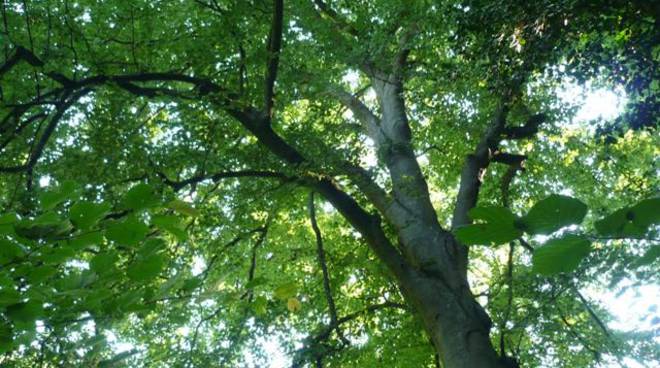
<point>274,46</point>
<point>20,53</point>
<point>474,165</point>
<point>528,130</point>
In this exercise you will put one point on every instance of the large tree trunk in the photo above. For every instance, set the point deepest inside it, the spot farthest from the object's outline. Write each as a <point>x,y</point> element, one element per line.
<point>456,323</point>
<point>458,326</point>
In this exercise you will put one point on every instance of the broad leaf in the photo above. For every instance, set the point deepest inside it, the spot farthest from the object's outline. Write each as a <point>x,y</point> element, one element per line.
<point>85,214</point>
<point>499,227</point>
<point>560,255</point>
<point>631,221</point>
<point>140,197</point>
<point>103,262</point>
<point>171,224</point>
<point>293,305</point>
<point>128,232</point>
<point>286,291</point>
<point>184,208</point>
<point>67,190</point>
<point>25,312</point>
<point>553,213</point>
<point>146,269</point>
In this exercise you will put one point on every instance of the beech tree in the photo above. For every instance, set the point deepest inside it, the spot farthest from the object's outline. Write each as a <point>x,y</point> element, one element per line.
<point>350,183</point>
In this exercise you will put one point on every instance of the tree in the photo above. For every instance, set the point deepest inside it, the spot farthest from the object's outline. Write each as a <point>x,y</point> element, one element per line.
<point>370,182</point>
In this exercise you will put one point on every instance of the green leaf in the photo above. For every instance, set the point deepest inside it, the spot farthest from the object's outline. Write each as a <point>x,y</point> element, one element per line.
<point>150,247</point>
<point>25,312</point>
<point>9,296</point>
<point>6,338</point>
<point>85,214</point>
<point>67,190</point>
<point>257,281</point>
<point>486,234</point>
<point>171,224</point>
<point>493,215</point>
<point>140,197</point>
<point>260,305</point>
<point>128,232</point>
<point>184,208</point>
<point>286,291</point>
<point>58,255</point>
<point>146,269</point>
<point>103,262</point>
<point>646,213</point>
<point>85,240</point>
<point>33,230</point>
<point>7,222</point>
<point>10,250</point>
<point>553,213</point>
<point>41,273</point>
<point>191,284</point>
<point>631,221</point>
<point>560,255</point>
<point>499,227</point>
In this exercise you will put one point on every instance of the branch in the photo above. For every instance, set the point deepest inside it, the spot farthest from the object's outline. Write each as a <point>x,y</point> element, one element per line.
<point>321,258</point>
<point>253,259</point>
<point>20,53</point>
<point>341,24</point>
<point>508,159</point>
<point>404,50</point>
<point>474,165</point>
<point>116,360</point>
<point>45,136</point>
<point>593,314</point>
<point>528,130</point>
<point>370,122</point>
<point>274,46</point>
<point>178,185</point>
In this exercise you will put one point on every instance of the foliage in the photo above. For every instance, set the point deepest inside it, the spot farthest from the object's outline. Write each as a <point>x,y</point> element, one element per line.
<point>144,223</point>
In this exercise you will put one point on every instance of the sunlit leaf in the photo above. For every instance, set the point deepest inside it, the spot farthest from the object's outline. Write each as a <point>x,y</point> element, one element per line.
<point>553,213</point>
<point>560,255</point>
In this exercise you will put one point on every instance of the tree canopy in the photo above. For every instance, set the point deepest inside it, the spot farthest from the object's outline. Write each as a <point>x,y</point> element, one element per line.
<point>325,183</point>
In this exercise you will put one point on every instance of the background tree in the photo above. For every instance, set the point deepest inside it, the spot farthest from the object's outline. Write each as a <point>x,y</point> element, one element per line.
<point>366,183</point>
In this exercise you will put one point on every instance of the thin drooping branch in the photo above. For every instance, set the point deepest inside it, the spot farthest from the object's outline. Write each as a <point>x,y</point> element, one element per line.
<point>116,360</point>
<point>321,258</point>
<point>253,258</point>
<point>365,223</point>
<point>262,230</point>
<point>578,336</point>
<point>592,313</point>
<point>274,47</point>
